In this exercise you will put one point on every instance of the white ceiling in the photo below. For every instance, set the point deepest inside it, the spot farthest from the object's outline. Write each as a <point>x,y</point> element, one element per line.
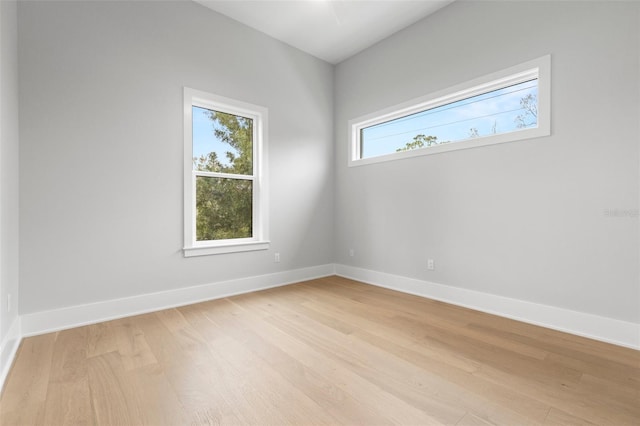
<point>332,30</point>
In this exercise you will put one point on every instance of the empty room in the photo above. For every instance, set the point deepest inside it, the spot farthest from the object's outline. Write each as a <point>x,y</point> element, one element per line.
<point>329,212</point>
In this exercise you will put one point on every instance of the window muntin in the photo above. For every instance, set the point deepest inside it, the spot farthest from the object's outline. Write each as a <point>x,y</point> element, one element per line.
<point>225,189</point>
<point>506,106</point>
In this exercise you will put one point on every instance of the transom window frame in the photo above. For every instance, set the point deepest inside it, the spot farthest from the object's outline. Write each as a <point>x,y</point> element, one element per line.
<point>539,69</point>
<point>260,234</point>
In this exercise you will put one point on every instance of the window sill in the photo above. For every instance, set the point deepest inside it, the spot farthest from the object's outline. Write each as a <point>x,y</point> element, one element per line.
<point>205,250</point>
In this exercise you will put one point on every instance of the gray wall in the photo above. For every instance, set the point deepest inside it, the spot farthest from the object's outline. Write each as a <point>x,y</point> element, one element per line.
<point>526,219</point>
<point>101,147</point>
<point>8,166</point>
<point>101,153</point>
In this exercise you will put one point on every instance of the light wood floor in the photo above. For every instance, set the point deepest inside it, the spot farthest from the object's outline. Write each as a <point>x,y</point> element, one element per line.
<point>328,351</point>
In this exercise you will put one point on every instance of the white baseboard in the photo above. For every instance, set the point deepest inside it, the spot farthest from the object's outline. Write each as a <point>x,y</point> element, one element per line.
<point>75,316</point>
<point>596,327</point>
<point>8,350</point>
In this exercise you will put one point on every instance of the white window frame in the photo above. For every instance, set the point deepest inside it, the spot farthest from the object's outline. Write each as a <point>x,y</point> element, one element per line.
<point>539,69</point>
<point>259,115</point>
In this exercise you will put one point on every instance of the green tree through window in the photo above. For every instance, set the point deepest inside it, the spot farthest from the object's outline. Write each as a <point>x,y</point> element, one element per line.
<point>224,204</point>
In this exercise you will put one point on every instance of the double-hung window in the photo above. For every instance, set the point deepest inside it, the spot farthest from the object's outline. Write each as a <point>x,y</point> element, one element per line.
<point>505,106</point>
<point>225,204</point>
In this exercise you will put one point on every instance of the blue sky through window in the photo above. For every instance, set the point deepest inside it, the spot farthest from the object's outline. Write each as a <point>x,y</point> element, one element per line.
<point>204,138</point>
<point>495,112</point>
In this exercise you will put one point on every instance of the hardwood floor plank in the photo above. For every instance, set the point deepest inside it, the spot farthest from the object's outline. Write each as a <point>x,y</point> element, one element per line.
<point>328,351</point>
<point>132,345</point>
<point>68,403</point>
<point>239,327</point>
<point>24,396</point>
<point>257,381</point>
<point>438,361</point>
<point>558,417</point>
<point>397,411</point>
<point>160,404</point>
<point>284,359</point>
<point>101,338</point>
<point>68,399</point>
<point>413,385</point>
<point>471,419</point>
<point>623,375</point>
<point>200,391</point>
<point>111,394</point>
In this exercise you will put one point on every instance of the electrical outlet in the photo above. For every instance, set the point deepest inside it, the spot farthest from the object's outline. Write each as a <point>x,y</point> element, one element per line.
<point>277,258</point>
<point>352,252</point>
<point>9,302</point>
<point>430,265</point>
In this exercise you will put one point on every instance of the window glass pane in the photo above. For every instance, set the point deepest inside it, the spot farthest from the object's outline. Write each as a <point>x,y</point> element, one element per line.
<point>504,110</point>
<point>223,208</point>
<point>222,142</point>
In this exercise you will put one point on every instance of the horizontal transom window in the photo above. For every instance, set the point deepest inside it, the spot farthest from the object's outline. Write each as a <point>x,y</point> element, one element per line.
<point>506,106</point>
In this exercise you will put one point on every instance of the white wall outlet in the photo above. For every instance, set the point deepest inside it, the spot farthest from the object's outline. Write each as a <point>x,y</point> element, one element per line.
<point>352,252</point>
<point>9,302</point>
<point>276,258</point>
<point>430,265</point>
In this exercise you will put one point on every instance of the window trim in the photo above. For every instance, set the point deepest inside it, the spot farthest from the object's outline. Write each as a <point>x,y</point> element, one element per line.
<point>539,68</point>
<point>259,115</point>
